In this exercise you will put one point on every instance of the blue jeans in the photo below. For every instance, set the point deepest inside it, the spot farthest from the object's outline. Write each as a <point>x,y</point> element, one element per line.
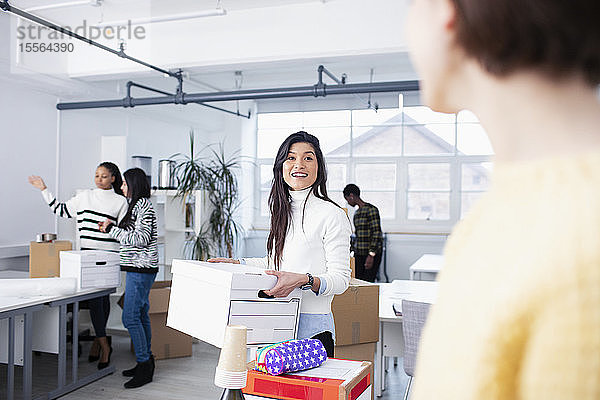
<point>135,312</point>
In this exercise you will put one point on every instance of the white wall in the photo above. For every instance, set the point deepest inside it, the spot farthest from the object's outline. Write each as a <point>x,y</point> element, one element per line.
<point>28,146</point>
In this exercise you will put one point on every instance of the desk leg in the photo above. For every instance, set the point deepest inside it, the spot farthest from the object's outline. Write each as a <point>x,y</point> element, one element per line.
<point>75,336</point>
<point>27,358</point>
<point>379,363</point>
<point>62,346</point>
<point>10,387</point>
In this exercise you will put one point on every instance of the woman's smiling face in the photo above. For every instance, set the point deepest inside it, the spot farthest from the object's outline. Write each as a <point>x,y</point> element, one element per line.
<point>301,167</point>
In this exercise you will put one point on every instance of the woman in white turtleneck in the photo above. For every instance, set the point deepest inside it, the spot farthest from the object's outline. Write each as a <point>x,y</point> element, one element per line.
<point>309,239</point>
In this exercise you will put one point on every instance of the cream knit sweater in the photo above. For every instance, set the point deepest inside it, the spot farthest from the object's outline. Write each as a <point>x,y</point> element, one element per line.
<point>320,245</point>
<point>518,313</point>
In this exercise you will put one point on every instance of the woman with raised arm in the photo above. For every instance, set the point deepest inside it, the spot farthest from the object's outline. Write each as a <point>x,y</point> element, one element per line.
<point>88,208</point>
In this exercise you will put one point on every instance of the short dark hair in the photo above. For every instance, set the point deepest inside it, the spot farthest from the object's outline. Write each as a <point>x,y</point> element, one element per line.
<point>351,188</point>
<point>557,37</point>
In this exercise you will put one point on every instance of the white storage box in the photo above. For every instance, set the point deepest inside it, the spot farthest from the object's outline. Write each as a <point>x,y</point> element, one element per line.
<point>206,297</point>
<point>91,268</point>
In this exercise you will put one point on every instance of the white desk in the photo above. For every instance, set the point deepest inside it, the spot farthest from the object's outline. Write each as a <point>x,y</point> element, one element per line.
<point>391,340</point>
<point>12,307</point>
<point>431,263</point>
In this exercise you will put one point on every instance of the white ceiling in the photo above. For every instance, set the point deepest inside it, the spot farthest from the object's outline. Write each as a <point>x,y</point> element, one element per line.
<point>301,72</point>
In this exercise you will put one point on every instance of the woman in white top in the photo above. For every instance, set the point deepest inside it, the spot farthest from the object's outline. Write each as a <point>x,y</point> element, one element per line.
<point>309,240</point>
<point>89,207</point>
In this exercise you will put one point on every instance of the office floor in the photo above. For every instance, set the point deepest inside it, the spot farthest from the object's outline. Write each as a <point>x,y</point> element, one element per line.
<point>179,378</point>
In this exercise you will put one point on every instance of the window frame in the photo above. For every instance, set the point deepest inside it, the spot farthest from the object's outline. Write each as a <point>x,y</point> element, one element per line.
<point>401,223</point>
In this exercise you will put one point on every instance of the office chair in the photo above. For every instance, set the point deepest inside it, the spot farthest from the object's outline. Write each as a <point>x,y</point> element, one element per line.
<point>414,315</point>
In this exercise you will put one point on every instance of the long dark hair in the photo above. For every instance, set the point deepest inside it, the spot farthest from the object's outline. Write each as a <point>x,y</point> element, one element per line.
<point>114,171</point>
<point>280,199</point>
<point>137,188</point>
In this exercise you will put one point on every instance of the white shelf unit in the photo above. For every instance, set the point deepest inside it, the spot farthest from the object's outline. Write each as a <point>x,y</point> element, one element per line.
<point>177,221</point>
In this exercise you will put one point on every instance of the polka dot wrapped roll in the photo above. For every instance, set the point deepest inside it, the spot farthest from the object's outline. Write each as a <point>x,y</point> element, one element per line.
<point>291,356</point>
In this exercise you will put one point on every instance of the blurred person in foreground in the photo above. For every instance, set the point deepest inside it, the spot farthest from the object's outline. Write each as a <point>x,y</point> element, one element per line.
<point>518,308</point>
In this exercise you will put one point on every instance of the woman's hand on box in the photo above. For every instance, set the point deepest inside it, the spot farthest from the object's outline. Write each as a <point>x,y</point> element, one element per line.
<point>223,260</point>
<point>286,282</point>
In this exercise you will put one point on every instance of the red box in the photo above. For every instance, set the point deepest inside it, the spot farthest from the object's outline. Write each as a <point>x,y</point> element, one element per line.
<point>334,380</point>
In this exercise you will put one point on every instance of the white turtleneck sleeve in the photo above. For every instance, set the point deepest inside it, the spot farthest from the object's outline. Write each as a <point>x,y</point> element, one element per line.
<point>318,242</point>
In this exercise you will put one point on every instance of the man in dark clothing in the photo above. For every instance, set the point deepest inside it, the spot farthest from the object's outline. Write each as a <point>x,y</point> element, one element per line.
<point>369,238</point>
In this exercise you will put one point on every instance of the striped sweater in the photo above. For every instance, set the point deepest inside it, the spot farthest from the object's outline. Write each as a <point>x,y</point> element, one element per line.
<point>89,207</point>
<point>139,250</point>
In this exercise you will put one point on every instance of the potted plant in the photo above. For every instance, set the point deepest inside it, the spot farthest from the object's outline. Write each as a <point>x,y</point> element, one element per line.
<point>215,176</point>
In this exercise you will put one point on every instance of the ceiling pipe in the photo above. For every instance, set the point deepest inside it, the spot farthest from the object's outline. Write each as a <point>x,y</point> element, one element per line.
<point>165,18</point>
<point>252,94</point>
<point>5,6</point>
<point>128,100</point>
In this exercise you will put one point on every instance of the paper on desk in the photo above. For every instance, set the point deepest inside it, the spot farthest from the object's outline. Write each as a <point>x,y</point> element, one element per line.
<point>332,368</point>
<point>37,287</point>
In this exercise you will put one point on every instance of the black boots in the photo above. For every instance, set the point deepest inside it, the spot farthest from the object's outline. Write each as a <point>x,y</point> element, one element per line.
<point>142,374</point>
<point>131,372</point>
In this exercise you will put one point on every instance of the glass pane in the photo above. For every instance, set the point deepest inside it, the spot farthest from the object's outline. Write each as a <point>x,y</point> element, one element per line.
<point>466,202</point>
<point>269,141</point>
<point>429,139</point>
<point>423,115</point>
<point>472,140</point>
<point>475,176</point>
<point>428,206</point>
<point>336,177</point>
<point>375,176</point>
<point>334,141</point>
<point>377,140</point>
<point>466,116</point>
<point>280,120</point>
<point>266,176</point>
<point>384,201</point>
<point>429,176</point>
<point>264,204</point>
<point>326,118</point>
<point>382,116</point>
<point>338,197</point>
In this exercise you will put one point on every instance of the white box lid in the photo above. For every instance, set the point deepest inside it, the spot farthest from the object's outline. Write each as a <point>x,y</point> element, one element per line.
<point>234,276</point>
<point>90,256</point>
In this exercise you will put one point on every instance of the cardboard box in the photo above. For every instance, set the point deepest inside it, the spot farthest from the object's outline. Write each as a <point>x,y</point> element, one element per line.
<point>333,380</point>
<point>356,314</point>
<point>357,352</point>
<point>206,297</point>
<point>166,342</point>
<point>91,268</point>
<point>44,261</point>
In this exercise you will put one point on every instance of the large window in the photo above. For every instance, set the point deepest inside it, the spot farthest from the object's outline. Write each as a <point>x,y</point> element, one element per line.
<point>422,169</point>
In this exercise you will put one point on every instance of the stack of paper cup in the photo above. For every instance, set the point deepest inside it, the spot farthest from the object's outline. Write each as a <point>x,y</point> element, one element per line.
<point>231,371</point>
